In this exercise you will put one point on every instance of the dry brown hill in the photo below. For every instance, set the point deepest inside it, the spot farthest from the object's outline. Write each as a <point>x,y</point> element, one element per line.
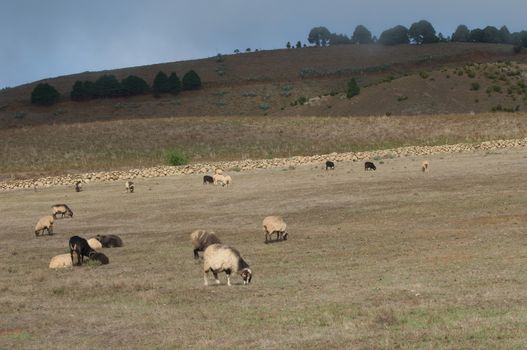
<point>269,82</point>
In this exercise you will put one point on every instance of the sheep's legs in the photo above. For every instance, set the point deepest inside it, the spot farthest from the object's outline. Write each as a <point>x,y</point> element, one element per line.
<point>216,276</point>
<point>228,279</point>
<point>205,275</point>
<point>196,255</point>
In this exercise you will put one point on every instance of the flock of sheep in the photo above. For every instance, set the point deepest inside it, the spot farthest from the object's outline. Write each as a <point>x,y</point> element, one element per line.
<point>217,257</point>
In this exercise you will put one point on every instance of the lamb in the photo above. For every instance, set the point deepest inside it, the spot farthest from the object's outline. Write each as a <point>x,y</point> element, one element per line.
<point>109,241</point>
<point>424,166</point>
<point>81,248</point>
<point>224,180</point>
<point>222,258</point>
<point>45,223</point>
<point>207,179</point>
<point>274,224</point>
<point>78,186</point>
<point>369,166</point>
<point>129,186</point>
<point>61,209</point>
<point>60,261</point>
<point>94,244</point>
<point>330,165</point>
<point>201,240</point>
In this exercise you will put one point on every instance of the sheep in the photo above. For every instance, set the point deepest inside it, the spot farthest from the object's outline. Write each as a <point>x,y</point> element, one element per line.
<point>274,224</point>
<point>94,244</point>
<point>424,166</point>
<point>129,186</point>
<point>369,166</point>
<point>218,172</point>
<point>81,248</point>
<point>330,165</point>
<point>60,261</point>
<point>45,223</point>
<point>207,179</point>
<point>109,241</point>
<point>61,209</point>
<point>201,240</point>
<point>78,186</point>
<point>224,180</point>
<point>222,258</point>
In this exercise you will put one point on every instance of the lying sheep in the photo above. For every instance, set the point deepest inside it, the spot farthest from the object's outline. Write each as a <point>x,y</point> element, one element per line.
<point>369,166</point>
<point>45,223</point>
<point>201,240</point>
<point>78,186</point>
<point>94,244</point>
<point>129,186</point>
<point>60,261</point>
<point>81,248</point>
<point>109,241</point>
<point>221,258</point>
<point>61,209</point>
<point>330,165</point>
<point>274,224</point>
<point>424,166</point>
<point>207,179</point>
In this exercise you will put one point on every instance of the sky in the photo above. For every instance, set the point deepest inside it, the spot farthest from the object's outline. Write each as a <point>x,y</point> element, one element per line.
<point>47,38</point>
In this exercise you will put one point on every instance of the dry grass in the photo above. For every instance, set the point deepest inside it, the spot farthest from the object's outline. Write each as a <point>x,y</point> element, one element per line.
<point>56,149</point>
<point>375,260</point>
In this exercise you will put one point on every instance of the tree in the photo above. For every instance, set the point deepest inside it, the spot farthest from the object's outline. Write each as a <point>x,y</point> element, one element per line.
<point>338,39</point>
<point>79,92</point>
<point>107,86</point>
<point>160,84</point>
<point>476,35</point>
<point>462,34</point>
<point>288,45</point>
<point>422,32</point>
<point>361,35</point>
<point>298,44</point>
<point>491,35</point>
<point>441,38</point>
<point>319,36</point>
<point>133,85</point>
<point>353,88</point>
<point>44,94</point>
<point>248,49</point>
<point>505,35</point>
<point>174,84</point>
<point>236,51</point>
<point>394,36</point>
<point>191,81</point>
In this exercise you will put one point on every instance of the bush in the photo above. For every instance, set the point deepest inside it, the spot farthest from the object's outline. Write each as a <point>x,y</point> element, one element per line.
<point>173,83</point>
<point>79,91</point>
<point>353,88</point>
<point>474,86</point>
<point>107,86</point>
<point>176,157</point>
<point>191,81</point>
<point>44,94</point>
<point>133,85</point>
<point>160,84</point>
<point>423,75</point>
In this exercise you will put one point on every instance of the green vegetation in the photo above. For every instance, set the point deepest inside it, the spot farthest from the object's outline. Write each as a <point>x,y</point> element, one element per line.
<point>353,88</point>
<point>474,86</point>
<point>361,35</point>
<point>191,81</point>
<point>133,85</point>
<point>422,32</point>
<point>394,36</point>
<point>44,94</point>
<point>176,157</point>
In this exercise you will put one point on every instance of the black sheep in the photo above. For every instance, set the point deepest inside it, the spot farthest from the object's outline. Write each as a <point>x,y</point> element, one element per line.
<point>207,179</point>
<point>81,248</point>
<point>369,166</point>
<point>330,165</point>
<point>109,241</point>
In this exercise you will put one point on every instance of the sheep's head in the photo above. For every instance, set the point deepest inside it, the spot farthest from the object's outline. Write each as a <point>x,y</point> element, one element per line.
<point>247,275</point>
<point>285,235</point>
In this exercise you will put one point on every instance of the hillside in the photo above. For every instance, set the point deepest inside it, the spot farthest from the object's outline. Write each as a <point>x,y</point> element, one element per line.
<point>269,82</point>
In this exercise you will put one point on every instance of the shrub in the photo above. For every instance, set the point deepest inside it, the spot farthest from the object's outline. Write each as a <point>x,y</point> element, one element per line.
<point>44,94</point>
<point>133,85</point>
<point>160,84</point>
<point>353,88</point>
<point>176,157</point>
<point>79,91</point>
<point>173,83</point>
<point>474,86</point>
<point>191,81</point>
<point>107,86</point>
<point>423,75</point>
<point>402,98</point>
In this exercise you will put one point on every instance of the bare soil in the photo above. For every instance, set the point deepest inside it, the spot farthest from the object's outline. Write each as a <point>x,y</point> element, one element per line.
<point>394,258</point>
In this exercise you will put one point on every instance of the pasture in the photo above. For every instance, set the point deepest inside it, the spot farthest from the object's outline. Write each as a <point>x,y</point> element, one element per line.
<point>393,258</point>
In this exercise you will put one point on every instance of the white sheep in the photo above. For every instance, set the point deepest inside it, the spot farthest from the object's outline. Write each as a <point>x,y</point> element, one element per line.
<point>61,209</point>
<point>45,223</point>
<point>60,261</point>
<point>94,244</point>
<point>129,186</point>
<point>424,166</point>
<point>222,258</point>
<point>274,224</point>
<point>218,172</point>
<point>201,240</point>
<point>224,180</point>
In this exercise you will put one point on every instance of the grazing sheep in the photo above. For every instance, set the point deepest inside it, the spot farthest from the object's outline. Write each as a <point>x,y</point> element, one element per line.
<point>369,166</point>
<point>207,179</point>
<point>330,165</point>
<point>61,209</point>
<point>60,261</point>
<point>94,244</point>
<point>221,258</point>
<point>274,224</point>
<point>109,241</point>
<point>201,240</point>
<point>129,186</point>
<point>224,180</point>
<point>81,248</point>
<point>45,223</point>
<point>424,166</point>
<point>78,186</point>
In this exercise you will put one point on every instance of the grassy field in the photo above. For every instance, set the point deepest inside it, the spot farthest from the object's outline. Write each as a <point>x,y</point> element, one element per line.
<point>376,260</point>
<point>67,148</point>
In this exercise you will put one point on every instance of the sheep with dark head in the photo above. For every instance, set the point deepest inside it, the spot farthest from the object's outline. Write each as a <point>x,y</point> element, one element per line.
<point>207,179</point>
<point>81,248</point>
<point>330,165</point>
<point>109,241</point>
<point>369,166</point>
<point>45,223</point>
<point>424,166</point>
<point>129,186</point>
<point>61,209</point>
<point>221,258</point>
<point>201,239</point>
<point>78,186</point>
